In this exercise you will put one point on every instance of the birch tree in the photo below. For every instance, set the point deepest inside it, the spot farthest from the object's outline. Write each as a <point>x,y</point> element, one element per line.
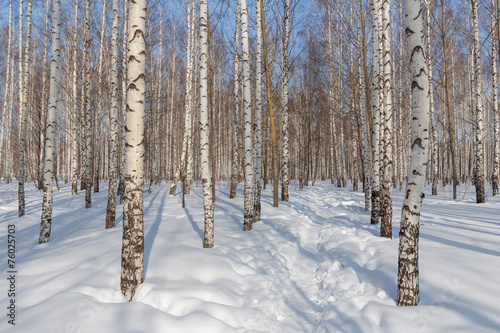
<point>74,130</point>
<point>88,112</point>
<point>132,263</point>
<point>284,103</point>
<point>494,55</point>
<point>113,164</point>
<point>236,105</point>
<point>247,109</point>
<point>208,204</point>
<point>258,113</point>
<point>388,165</point>
<point>22,130</point>
<point>46,223</point>
<point>375,213</point>
<point>408,286</point>
<point>480,193</point>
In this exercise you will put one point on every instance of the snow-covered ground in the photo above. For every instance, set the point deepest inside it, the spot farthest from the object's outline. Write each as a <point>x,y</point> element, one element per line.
<point>312,265</point>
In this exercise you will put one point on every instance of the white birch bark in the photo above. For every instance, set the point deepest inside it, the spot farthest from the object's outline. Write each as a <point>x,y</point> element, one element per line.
<point>132,263</point>
<point>408,286</point>
<point>189,151</point>
<point>364,121</point>
<point>46,220</point>
<point>235,169</point>
<point>113,164</point>
<point>258,113</point>
<point>99,111</point>
<point>208,204</point>
<point>6,101</point>
<point>375,213</point>
<point>247,128</point>
<point>496,116</point>
<point>22,142</point>
<point>88,112</point>
<point>74,130</point>
<point>388,165</point>
<point>480,177</point>
<point>284,103</point>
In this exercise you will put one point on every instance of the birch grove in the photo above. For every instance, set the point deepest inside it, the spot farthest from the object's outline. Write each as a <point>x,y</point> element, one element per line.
<point>387,95</point>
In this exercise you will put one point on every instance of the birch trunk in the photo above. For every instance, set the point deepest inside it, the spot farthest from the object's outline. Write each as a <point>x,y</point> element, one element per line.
<point>432,126</point>
<point>375,213</point>
<point>46,223</point>
<point>388,165</point>
<point>113,164</point>
<point>6,100</point>
<point>208,204</point>
<point>408,286</point>
<point>284,102</point>
<point>247,109</point>
<point>22,130</point>
<point>494,56</point>
<point>132,263</point>
<point>236,105</point>
<point>88,111</point>
<point>258,116</point>
<point>480,177</point>
<point>74,129</point>
<point>363,92</point>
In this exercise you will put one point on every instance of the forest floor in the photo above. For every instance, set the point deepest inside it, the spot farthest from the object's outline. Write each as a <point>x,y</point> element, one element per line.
<point>314,264</point>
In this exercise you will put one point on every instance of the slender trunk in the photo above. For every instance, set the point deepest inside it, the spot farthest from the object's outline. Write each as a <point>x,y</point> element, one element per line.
<point>132,263</point>
<point>388,165</point>
<point>247,109</point>
<point>258,117</point>
<point>121,184</point>
<point>46,220</point>
<point>22,130</point>
<point>284,102</point>
<point>113,165</point>
<point>480,192</point>
<point>375,213</point>
<point>494,56</point>
<point>88,111</point>
<point>6,101</point>
<point>236,106</point>
<point>208,204</point>
<point>74,130</point>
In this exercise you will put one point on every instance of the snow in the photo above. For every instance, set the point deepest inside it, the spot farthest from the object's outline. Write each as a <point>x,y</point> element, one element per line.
<point>314,264</point>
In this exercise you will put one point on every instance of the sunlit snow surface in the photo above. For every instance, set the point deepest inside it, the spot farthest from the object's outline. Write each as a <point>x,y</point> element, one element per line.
<point>312,265</point>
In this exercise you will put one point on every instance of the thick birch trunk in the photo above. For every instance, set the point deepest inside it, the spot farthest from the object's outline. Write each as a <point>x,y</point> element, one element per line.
<point>46,223</point>
<point>236,106</point>
<point>208,204</point>
<point>408,286</point>
<point>132,264</point>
